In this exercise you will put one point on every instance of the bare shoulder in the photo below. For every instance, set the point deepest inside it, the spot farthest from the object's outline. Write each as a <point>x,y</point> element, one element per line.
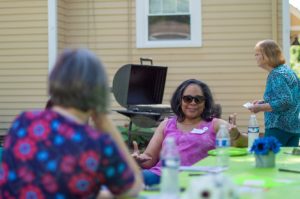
<point>163,124</point>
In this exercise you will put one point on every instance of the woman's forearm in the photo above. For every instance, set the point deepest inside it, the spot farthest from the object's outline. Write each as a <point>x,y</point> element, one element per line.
<point>266,107</point>
<point>261,108</point>
<point>149,163</point>
<point>240,141</point>
<point>105,124</point>
<point>237,138</point>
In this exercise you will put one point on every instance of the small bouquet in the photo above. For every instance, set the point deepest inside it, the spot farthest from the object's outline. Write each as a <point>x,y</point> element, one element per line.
<point>262,146</point>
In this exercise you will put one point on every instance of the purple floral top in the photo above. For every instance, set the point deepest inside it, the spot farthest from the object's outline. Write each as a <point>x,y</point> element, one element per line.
<point>46,155</point>
<point>192,146</point>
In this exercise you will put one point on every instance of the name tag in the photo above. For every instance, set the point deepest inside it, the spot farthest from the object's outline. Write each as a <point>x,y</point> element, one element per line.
<point>199,131</point>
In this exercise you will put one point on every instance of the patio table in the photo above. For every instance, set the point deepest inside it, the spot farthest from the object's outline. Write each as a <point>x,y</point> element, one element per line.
<point>272,183</point>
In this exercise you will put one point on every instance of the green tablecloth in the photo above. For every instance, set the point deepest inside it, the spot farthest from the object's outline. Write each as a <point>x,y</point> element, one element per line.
<point>273,183</point>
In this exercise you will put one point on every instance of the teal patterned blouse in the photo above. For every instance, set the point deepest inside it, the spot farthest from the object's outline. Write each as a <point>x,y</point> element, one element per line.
<point>283,94</point>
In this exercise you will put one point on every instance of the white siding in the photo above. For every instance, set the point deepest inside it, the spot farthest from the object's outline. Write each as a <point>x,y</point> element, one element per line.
<point>225,61</point>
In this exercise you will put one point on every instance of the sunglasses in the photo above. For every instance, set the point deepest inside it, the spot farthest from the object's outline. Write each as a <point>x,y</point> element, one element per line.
<point>197,99</point>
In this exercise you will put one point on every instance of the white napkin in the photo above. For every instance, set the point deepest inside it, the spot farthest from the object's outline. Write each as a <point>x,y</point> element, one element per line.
<point>248,105</point>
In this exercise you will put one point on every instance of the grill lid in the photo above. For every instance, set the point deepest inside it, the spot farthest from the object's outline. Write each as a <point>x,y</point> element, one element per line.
<point>135,84</point>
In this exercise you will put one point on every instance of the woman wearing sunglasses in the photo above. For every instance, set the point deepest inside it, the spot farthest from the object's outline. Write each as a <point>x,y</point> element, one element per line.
<point>194,128</point>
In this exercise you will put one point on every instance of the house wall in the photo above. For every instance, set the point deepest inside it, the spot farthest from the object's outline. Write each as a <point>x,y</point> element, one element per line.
<point>225,61</point>
<point>61,23</point>
<point>23,57</point>
<point>295,22</point>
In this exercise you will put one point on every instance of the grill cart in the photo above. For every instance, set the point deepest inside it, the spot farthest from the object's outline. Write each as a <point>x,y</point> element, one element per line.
<point>139,88</point>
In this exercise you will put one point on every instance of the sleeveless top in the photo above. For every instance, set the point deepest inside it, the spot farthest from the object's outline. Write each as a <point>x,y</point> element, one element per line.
<point>192,146</point>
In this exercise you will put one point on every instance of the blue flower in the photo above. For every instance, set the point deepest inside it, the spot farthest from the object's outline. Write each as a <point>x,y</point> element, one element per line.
<point>262,146</point>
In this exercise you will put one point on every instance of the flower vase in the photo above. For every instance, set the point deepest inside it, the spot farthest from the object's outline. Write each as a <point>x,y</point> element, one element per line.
<point>265,161</point>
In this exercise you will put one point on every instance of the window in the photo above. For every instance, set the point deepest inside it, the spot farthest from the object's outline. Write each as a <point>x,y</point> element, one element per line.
<point>168,23</point>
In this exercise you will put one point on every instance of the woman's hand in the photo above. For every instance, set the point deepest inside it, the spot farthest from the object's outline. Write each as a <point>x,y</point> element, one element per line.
<point>238,139</point>
<point>257,106</point>
<point>258,102</point>
<point>233,130</point>
<point>140,158</point>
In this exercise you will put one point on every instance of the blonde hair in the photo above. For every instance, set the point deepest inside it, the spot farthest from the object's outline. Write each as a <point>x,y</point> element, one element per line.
<point>271,50</point>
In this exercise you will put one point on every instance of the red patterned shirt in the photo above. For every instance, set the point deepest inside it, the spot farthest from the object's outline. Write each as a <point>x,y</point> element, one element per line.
<point>46,155</point>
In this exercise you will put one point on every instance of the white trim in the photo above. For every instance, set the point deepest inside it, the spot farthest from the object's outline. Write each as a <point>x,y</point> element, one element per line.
<point>295,11</point>
<point>140,18</point>
<point>52,33</point>
<point>142,7</point>
<point>286,30</point>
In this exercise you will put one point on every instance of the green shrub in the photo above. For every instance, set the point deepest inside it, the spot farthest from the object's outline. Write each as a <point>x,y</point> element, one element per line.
<point>295,59</point>
<point>141,135</point>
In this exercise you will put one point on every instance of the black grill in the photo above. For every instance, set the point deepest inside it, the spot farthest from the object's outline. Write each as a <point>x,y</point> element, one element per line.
<point>139,89</point>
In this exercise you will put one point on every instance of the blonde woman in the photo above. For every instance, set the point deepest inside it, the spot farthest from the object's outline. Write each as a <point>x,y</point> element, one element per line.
<point>281,103</point>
